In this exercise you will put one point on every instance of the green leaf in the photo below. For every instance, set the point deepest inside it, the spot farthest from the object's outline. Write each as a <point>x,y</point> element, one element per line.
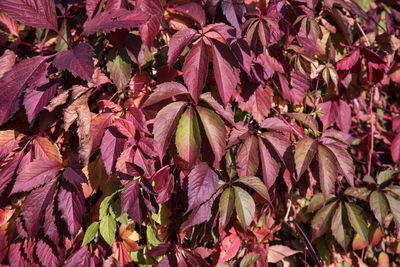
<point>357,219</point>
<point>321,221</point>
<point>386,176</point>
<point>327,166</point>
<point>358,192</point>
<point>226,204</point>
<point>394,205</point>
<point>119,68</point>
<point>339,227</point>
<point>379,205</point>
<point>187,138</point>
<point>395,189</point>
<point>318,201</point>
<point>104,206</point>
<point>90,233</point>
<point>304,153</point>
<point>152,235</point>
<point>256,184</point>
<point>245,207</point>
<point>249,259</point>
<point>123,218</point>
<point>108,228</point>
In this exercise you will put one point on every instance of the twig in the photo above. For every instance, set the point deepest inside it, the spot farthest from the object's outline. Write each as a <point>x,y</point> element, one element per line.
<point>371,112</point>
<point>363,33</point>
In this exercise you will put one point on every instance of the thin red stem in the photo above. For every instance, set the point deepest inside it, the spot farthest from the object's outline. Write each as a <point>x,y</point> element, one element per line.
<point>371,150</point>
<point>62,37</point>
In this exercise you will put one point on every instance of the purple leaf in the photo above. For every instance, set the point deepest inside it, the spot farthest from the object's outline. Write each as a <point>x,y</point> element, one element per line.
<point>247,157</point>
<point>145,163</point>
<point>132,202</point>
<point>344,65</point>
<point>376,66</point>
<point>50,228</point>
<point>160,250</point>
<point>92,7</point>
<point>35,13</point>
<point>226,113</point>
<point>195,69</point>
<point>304,153</point>
<point>7,60</point>
<point>148,30</point>
<point>71,202</point>
<point>36,173</point>
<point>138,119</point>
<point>215,131</point>
<point>47,254</point>
<point>7,172</point>
<point>270,165</point>
<point>345,163</point>
<point>203,182</point>
<point>187,137</point>
<point>395,149</point>
<point>165,124</point>
<point>16,256</point>
<point>35,205</point>
<point>164,184</point>
<point>111,148</point>
<point>78,61</point>
<point>258,103</point>
<point>114,19</point>
<point>74,175</point>
<point>165,91</point>
<point>13,83</point>
<point>233,11</point>
<point>275,124</point>
<point>79,258</point>
<point>178,43</point>
<point>201,214</point>
<point>225,71</point>
<point>327,166</point>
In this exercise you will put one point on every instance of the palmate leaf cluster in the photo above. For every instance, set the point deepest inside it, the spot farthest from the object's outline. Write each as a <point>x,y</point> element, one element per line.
<point>199,133</point>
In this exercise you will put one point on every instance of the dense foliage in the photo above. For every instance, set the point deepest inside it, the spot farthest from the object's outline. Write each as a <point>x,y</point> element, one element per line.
<point>197,133</point>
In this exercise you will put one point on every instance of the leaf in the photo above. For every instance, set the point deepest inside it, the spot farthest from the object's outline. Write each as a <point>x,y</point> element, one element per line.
<point>379,205</point>
<point>195,69</point>
<point>45,149</point>
<point>357,220</point>
<point>111,148</point>
<point>187,137</point>
<point>71,202</point>
<point>247,157</point>
<point>245,207</point>
<point>47,254</point>
<point>178,43</point>
<point>78,61</point>
<point>395,149</point>
<point>383,260</point>
<point>165,91</point>
<point>276,253</point>
<point>394,205</point>
<point>304,153</point>
<point>306,119</point>
<point>226,204</point>
<point>256,184</point>
<point>90,233</point>
<point>225,71</point>
<point>114,19</point>
<point>318,201</point>
<point>230,246</point>
<point>148,30</point>
<point>8,171</point>
<point>125,127</point>
<point>7,60</point>
<point>215,131</point>
<point>36,173</point>
<point>79,258</point>
<point>226,113</point>
<point>16,256</point>
<point>233,11</point>
<point>108,228</point>
<point>35,13</point>
<point>202,213</point>
<point>203,182</point>
<point>339,227</point>
<point>119,69</point>
<point>79,110</point>
<point>345,163</point>
<point>35,204</point>
<point>386,176</point>
<point>322,220</point>
<point>132,201</point>
<point>249,259</point>
<point>258,103</point>
<point>327,165</point>
<point>9,25</point>
<point>14,82</point>
<point>270,165</point>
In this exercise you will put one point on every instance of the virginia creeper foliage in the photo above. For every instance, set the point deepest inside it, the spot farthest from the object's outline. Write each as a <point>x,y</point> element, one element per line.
<point>199,133</point>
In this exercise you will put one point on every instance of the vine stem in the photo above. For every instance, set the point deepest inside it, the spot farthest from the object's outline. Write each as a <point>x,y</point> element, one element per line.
<point>371,112</point>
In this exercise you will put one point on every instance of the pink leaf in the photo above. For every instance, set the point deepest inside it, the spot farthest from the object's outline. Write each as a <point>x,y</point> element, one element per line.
<point>35,13</point>
<point>7,172</point>
<point>247,157</point>
<point>276,253</point>
<point>36,173</point>
<point>72,205</point>
<point>193,10</point>
<point>48,255</point>
<point>395,149</point>
<point>178,43</point>
<point>148,30</point>
<point>165,91</point>
<point>78,61</point>
<point>7,60</point>
<point>111,148</point>
<point>79,258</point>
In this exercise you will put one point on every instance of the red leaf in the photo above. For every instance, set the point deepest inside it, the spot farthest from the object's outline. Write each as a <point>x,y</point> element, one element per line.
<point>201,213</point>
<point>376,66</point>
<point>345,163</point>
<point>277,253</point>
<point>165,91</point>
<point>215,131</point>
<point>247,157</point>
<point>74,175</point>
<point>193,10</point>
<point>330,112</point>
<point>125,127</point>
<point>395,149</point>
<point>203,183</point>
<point>35,205</point>
<point>71,202</point>
<point>343,119</point>
<point>79,258</point>
<point>145,163</point>
<point>138,119</point>
<point>165,124</point>
<point>7,60</point>
<point>132,202</point>
<point>47,254</point>
<point>226,113</point>
<point>7,172</point>
<point>7,24</point>
<point>99,124</point>
<point>178,43</point>
<point>304,153</point>
<point>92,7</point>
<point>344,65</point>
<point>49,226</point>
<point>163,184</point>
<point>13,83</point>
<point>233,11</point>
<point>111,20</point>
<point>195,69</point>
<point>45,149</point>
<point>229,247</point>
<point>111,148</point>
<point>270,164</point>
<point>36,173</point>
<point>258,103</point>
<point>35,13</point>
<point>148,30</point>
<point>327,166</point>
<point>16,256</point>
<point>78,61</point>
<point>225,71</point>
